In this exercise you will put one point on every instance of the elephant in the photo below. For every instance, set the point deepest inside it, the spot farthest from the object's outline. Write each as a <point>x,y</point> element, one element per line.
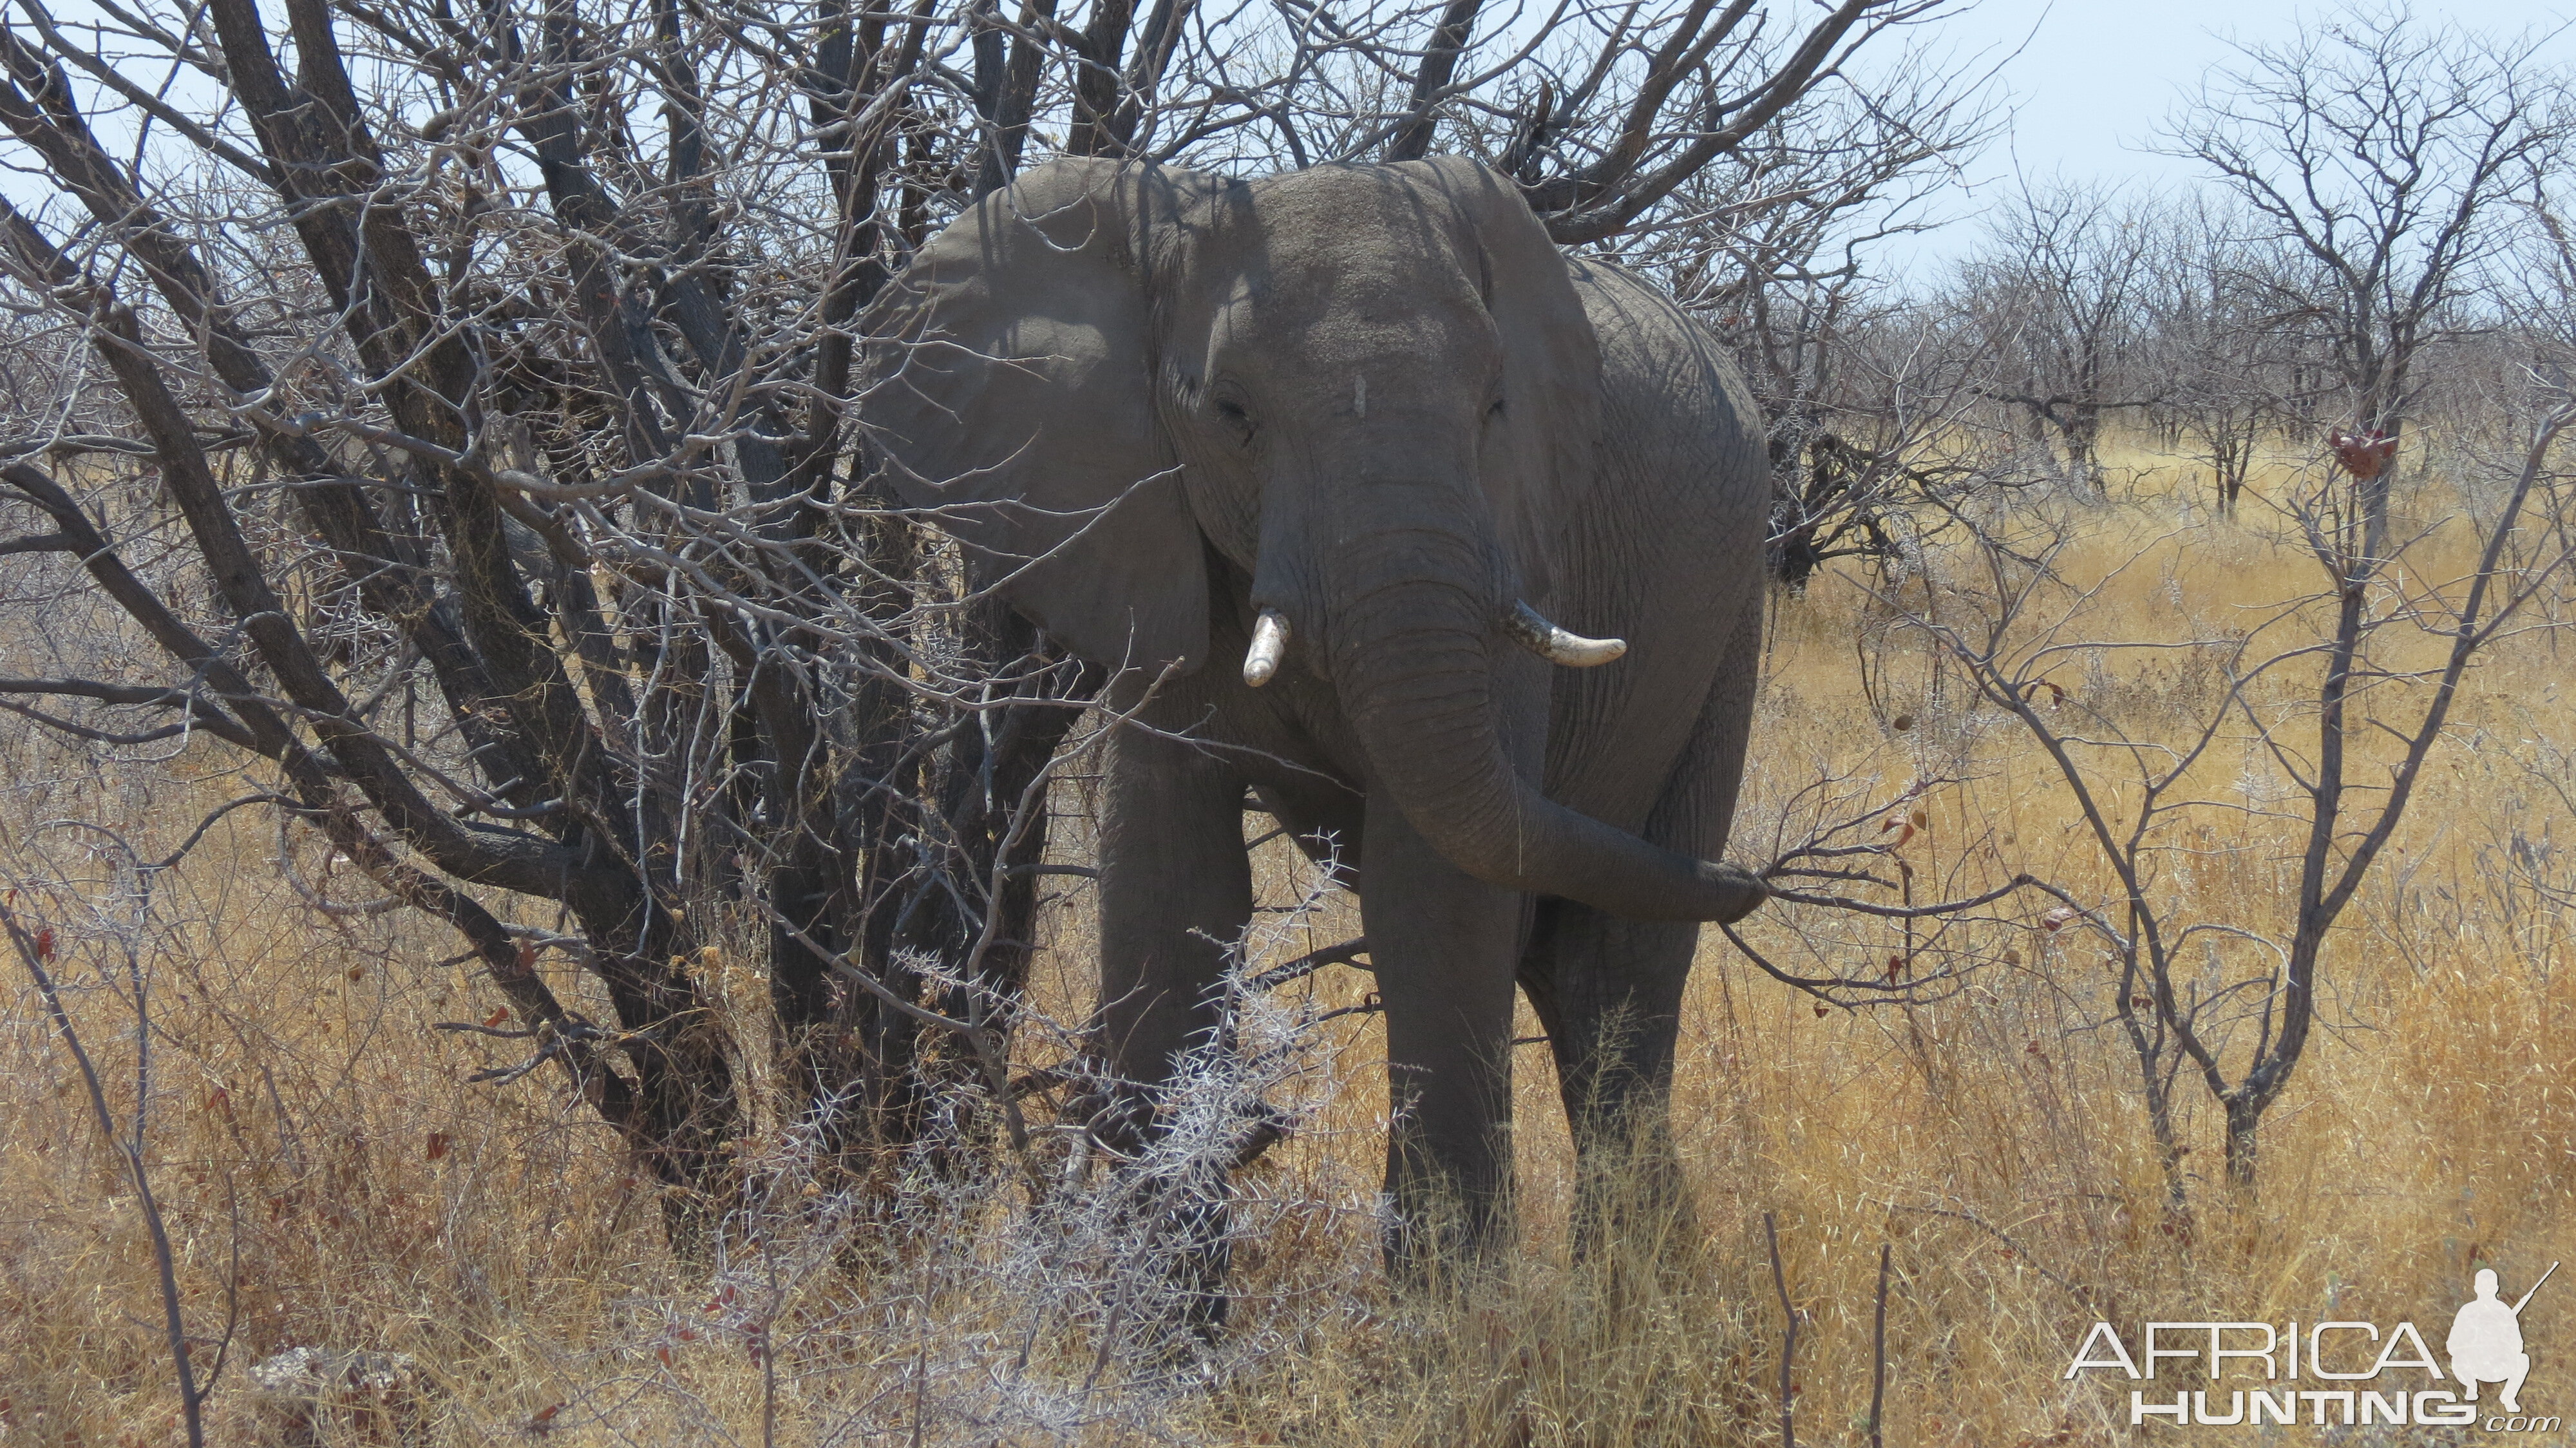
<point>1484,523</point>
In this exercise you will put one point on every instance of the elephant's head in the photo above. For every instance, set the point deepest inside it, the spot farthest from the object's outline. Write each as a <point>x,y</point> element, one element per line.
<point>1370,388</point>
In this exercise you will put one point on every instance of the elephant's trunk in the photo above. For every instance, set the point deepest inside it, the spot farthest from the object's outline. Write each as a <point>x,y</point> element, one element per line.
<point>1413,665</point>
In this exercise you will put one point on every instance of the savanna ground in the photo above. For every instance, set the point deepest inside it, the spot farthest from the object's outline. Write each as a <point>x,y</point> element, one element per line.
<point>332,1179</point>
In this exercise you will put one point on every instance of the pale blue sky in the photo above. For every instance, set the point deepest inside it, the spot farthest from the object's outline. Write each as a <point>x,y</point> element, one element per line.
<point>2093,78</point>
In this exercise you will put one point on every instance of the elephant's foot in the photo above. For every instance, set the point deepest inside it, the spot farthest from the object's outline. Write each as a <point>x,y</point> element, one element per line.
<point>1201,1256</point>
<point>1435,1239</point>
<point>1165,1294</point>
<point>1609,991</point>
<point>1629,1197</point>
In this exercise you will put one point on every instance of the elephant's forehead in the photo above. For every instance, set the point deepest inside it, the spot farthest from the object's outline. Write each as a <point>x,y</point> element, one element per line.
<point>1331,314</point>
<point>1338,299</point>
<point>1310,236</point>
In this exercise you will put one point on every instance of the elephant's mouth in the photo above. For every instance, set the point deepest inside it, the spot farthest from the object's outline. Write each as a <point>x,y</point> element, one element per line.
<point>1413,663</point>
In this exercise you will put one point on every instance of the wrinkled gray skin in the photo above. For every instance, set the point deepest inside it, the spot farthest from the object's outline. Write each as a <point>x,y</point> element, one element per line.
<point>1379,401</point>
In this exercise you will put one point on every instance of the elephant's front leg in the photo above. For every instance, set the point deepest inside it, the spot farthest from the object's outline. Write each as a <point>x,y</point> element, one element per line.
<point>1609,991</point>
<point>1442,944</point>
<point>1175,893</point>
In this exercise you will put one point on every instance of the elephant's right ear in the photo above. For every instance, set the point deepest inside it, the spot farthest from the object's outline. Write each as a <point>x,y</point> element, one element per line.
<point>1007,384</point>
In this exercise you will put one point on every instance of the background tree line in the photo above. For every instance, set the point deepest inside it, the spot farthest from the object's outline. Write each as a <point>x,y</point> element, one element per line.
<point>2357,255</point>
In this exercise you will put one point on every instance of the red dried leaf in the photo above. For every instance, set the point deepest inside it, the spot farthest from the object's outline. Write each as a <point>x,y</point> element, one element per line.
<point>2364,456</point>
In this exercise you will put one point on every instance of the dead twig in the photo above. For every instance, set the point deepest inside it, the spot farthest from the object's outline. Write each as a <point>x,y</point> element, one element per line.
<point>1878,1350</point>
<point>1789,1333</point>
<point>34,948</point>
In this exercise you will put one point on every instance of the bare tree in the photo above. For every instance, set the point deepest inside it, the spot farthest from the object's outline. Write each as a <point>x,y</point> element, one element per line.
<point>534,430</point>
<point>2380,150</point>
<point>446,411</point>
<point>2337,700</point>
<point>1784,255</point>
<point>2057,298</point>
<point>2228,363</point>
<point>1626,106</point>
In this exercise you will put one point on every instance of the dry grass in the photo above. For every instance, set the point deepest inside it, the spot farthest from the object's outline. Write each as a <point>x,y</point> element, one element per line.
<point>316,1149</point>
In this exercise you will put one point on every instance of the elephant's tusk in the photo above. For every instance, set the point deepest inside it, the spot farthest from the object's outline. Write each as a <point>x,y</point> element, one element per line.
<point>1530,629</point>
<point>1269,641</point>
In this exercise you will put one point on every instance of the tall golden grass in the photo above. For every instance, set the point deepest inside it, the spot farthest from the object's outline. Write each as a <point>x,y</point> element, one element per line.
<point>331,1180</point>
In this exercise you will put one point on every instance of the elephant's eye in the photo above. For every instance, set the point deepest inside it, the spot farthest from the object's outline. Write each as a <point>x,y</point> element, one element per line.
<point>1231,413</point>
<point>1496,410</point>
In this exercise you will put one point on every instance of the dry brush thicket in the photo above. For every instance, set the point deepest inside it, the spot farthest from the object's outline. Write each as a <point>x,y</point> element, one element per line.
<point>526,878</point>
<point>331,1177</point>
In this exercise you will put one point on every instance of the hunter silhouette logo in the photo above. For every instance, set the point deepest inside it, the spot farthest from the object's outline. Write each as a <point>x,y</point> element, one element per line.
<point>2486,1341</point>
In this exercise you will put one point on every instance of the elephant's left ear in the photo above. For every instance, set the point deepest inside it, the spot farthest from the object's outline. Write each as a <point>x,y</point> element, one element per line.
<point>1539,453</point>
<point>1006,387</point>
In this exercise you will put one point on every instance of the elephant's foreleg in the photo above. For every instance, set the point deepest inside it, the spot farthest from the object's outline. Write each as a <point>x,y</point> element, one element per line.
<point>1609,992</point>
<point>1175,892</point>
<point>1442,943</point>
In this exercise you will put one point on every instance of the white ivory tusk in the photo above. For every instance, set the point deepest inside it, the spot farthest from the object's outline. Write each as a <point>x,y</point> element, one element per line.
<point>1530,629</point>
<point>1269,641</point>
